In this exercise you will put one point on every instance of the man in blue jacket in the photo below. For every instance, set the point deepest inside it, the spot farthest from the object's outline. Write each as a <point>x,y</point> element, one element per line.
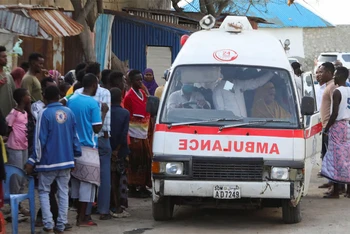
<point>56,144</point>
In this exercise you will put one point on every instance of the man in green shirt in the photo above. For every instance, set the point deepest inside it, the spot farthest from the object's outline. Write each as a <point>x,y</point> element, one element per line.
<point>30,81</point>
<point>7,85</point>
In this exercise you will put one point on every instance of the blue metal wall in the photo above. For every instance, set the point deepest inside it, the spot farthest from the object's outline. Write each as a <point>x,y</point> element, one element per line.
<point>130,37</point>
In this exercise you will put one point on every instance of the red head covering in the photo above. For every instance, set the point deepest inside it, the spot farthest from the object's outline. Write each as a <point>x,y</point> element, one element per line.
<point>17,75</point>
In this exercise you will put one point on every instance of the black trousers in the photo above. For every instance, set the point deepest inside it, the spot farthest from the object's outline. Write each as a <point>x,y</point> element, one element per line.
<point>324,145</point>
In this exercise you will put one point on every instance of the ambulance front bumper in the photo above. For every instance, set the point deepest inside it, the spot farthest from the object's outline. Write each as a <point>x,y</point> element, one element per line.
<point>186,188</point>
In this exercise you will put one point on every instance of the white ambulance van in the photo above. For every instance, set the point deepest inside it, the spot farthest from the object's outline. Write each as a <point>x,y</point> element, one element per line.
<point>231,130</point>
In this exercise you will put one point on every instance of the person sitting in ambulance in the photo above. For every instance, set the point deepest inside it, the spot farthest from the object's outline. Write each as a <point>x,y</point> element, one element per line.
<point>229,93</point>
<point>265,104</point>
<point>187,97</point>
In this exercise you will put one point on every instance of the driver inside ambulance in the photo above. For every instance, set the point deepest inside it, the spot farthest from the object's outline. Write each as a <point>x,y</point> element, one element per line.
<point>188,97</point>
<point>229,93</point>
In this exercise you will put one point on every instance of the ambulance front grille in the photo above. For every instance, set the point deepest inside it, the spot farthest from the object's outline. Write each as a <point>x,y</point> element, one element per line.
<point>227,169</point>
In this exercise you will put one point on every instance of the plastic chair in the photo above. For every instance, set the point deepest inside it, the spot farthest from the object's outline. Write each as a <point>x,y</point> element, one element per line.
<point>15,199</point>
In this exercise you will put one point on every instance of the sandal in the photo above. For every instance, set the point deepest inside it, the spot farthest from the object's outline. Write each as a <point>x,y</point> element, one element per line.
<point>56,231</point>
<point>45,230</point>
<point>124,214</point>
<point>105,217</point>
<point>67,227</point>
<point>89,223</point>
<point>331,196</point>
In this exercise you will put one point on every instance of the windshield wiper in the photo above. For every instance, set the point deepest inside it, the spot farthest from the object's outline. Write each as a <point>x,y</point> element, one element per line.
<point>202,121</point>
<point>254,123</point>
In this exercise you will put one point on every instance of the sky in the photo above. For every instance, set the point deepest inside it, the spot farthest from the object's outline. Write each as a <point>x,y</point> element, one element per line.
<point>334,11</point>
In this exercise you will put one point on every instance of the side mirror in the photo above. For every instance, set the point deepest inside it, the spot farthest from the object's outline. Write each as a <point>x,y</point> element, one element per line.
<point>307,106</point>
<point>152,105</point>
<point>166,74</point>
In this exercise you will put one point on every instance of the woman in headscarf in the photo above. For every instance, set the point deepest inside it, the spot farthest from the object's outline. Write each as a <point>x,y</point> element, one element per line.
<point>149,81</point>
<point>17,75</point>
<point>265,105</point>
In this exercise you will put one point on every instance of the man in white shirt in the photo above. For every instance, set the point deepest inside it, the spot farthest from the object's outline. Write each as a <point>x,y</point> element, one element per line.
<point>40,105</point>
<point>319,89</point>
<point>229,93</point>
<point>187,97</point>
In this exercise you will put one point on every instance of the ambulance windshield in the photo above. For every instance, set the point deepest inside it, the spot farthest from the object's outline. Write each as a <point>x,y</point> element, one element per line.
<point>200,93</point>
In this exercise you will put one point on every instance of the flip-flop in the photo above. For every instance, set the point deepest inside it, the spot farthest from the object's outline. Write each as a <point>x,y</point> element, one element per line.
<point>67,227</point>
<point>331,196</point>
<point>105,217</point>
<point>86,224</point>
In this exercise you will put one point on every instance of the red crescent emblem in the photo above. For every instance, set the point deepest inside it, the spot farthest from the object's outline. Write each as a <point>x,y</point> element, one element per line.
<point>225,55</point>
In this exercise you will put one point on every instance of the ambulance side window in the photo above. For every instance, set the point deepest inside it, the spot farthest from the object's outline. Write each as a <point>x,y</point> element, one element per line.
<point>308,87</point>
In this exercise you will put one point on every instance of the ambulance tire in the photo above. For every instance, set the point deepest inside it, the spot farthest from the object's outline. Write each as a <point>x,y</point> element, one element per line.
<point>290,214</point>
<point>163,209</point>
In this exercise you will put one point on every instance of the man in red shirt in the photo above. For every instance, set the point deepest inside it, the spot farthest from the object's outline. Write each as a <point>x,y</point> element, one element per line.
<point>135,101</point>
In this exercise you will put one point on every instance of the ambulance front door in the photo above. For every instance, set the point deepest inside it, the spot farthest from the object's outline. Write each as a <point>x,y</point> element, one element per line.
<point>313,131</point>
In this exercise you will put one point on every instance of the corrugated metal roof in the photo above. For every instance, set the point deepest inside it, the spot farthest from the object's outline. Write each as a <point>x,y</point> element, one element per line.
<point>274,11</point>
<point>155,23</point>
<point>17,23</point>
<point>37,22</point>
<point>55,23</point>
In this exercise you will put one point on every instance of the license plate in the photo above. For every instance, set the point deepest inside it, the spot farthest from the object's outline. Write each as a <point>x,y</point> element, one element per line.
<point>227,192</point>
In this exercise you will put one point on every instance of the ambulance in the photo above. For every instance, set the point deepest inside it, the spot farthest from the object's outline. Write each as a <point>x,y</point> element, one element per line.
<point>232,130</point>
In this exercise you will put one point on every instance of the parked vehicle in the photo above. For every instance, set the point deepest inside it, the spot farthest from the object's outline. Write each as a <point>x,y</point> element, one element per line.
<point>332,57</point>
<point>205,154</point>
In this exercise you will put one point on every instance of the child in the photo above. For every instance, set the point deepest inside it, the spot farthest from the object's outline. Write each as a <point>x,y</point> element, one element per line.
<point>17,143</point>
<point>64,89</point>
<point>119,131</point>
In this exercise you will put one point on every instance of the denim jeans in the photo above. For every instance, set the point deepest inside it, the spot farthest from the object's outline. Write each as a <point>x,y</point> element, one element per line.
<point>62,178</point>
<point>104,191</point>
<point>17,158</point>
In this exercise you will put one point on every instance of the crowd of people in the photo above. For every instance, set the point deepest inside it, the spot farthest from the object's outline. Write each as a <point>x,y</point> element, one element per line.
<point>85,136</point>
<point>332,93</point>
<point>333,98</point>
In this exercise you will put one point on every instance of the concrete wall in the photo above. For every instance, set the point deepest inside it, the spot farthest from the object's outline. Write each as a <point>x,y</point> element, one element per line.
<point>318,40</point>
<point>295,35</point>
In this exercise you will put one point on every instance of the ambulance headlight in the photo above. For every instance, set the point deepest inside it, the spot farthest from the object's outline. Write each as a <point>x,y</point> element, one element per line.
<point>168,168</point>
<point>174,168</point>
<point>280,173</point>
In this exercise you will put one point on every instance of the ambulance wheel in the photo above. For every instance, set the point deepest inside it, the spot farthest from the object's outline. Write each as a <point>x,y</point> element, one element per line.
<point>290,214</point>
<point>163,209</point>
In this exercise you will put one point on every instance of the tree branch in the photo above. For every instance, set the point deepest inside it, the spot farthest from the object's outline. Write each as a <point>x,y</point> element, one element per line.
<point>100,6</point>
<point>83,12</point>
<point>210,7</point>
<point>223,4</point>
<point>176,6</point>
<point>85,37</point>
<point>203,7</point>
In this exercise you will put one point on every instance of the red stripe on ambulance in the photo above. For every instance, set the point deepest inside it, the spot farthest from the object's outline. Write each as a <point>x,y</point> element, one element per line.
<point>264,132</point>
